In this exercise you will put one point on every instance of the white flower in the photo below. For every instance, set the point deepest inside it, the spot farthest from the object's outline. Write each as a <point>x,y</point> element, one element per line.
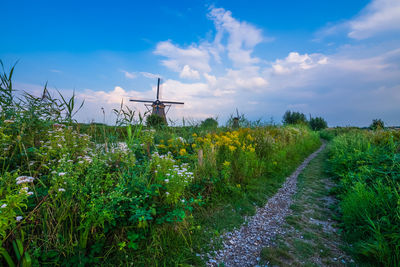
<point>3,206</point>
<point>8,121</point>
<point>167,193</point>
<point>30,193</point>
<point>166,180</point>
<point>62,173</point>
<point>183,201</point>
<point>24,179</point>
<point>61,190</point>
<point>19,218</point>
<point>80,162</point>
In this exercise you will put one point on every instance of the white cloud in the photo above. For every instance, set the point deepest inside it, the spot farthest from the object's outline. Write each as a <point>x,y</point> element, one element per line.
<point>189,73</point>
<point>129,75</point>
<point>194,56</point>
<point>242,37</point>
<point>378,17</point>
<point>150,75</point>
<point>295,61</point>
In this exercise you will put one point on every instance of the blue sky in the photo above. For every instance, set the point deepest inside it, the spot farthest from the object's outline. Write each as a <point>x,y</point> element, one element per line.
<point>336,59</point>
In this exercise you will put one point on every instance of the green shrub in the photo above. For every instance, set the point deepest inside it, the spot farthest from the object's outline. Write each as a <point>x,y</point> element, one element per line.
<point>294,118</point>
<point>209,123</point>
<point>154,120</point>
<point>377,124</point>
<point>317,124</point>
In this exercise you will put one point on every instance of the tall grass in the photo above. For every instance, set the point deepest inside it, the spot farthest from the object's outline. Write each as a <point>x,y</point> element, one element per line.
<point>367,164</point>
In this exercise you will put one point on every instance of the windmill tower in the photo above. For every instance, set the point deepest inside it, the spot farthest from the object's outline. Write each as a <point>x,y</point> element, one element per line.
<point>236,119</point>
<point>159,107</point>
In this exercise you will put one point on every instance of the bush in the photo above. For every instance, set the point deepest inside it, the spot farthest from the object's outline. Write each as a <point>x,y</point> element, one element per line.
<point>209,123</point>
<point>294,118</point>
<point>154,120</point>
<point>377,124</point>
<point>317,124</point>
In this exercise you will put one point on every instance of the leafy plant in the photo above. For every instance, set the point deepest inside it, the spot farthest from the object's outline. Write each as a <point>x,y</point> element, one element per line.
<point>294,118</point>
<point>317,123</point>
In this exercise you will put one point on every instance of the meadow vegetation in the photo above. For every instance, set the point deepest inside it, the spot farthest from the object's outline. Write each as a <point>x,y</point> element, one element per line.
<point>366,165</point>
<point>129,194</point>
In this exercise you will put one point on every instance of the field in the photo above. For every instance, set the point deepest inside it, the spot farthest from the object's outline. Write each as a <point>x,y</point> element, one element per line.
<point>75,195</point>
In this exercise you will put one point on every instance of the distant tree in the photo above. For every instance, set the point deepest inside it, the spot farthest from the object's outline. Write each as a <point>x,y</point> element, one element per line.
<point>294,118</point>
<point>377,124</point>
<point>317,123</point>
<point>154,120</point>
<point>209,123</point>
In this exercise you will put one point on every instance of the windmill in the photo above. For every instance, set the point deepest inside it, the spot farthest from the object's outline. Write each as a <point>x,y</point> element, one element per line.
<point>158,107</point>
<point>236,120</point>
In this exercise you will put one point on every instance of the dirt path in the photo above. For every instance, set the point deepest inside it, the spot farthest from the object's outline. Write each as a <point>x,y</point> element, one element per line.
<point>242,247</point>
<point>311,235</point>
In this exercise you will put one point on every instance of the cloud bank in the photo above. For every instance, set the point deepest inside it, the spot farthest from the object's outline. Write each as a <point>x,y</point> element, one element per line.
<point>351,85</point>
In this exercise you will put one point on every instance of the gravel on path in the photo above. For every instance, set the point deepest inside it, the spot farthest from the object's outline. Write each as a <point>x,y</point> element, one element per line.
<point>242,247</point>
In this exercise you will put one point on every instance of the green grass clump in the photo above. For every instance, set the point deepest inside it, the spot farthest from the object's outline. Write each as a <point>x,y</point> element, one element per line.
<point>367,166</point>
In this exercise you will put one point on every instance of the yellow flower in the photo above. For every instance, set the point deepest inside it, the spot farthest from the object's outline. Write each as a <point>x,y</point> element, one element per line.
<point>194,135</point>
<point>238,186</point>
<point>182,152</point>
<point>232,148</point>
<point>227,163</point>
<point>194,145</point>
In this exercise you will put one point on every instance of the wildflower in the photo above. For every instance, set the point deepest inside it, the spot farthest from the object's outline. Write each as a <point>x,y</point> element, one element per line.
<point>18,218</point>
<point>182,152</point>
<point>166,180</point>
<point>226,163</point>
<point>80,162</point>
<point>30,193</point>
<point>8,121</point>
<point>24,179</point>
<point>57,125</point>
<point>61,190</point>
<point>62,173</point>
<point>183,201</point>
<point>3,206</point>
<point>232,148</point>
<point>167,193</point>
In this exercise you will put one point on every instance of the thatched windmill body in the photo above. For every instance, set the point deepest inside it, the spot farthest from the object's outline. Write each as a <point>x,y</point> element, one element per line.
<point>157,106</point>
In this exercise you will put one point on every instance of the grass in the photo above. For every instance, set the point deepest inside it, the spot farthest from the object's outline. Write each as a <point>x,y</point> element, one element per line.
<point>310,238</point>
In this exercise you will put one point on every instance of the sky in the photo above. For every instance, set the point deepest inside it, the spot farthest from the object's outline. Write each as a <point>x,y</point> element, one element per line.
<point>336,59</point>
